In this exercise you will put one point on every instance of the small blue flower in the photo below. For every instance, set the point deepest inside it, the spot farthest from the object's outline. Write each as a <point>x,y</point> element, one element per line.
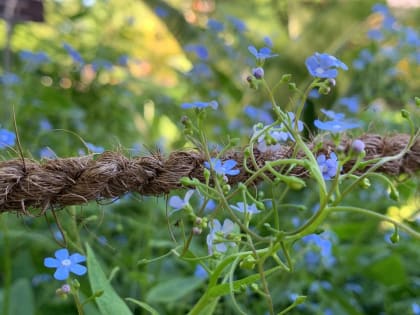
<point>200,272</point>
<point>237,24</point>
<point>74,54</point>
<point>47,153</point>
<point>215,25</point>
<point>328,166</point>
<point>33,59</point>
<point>219,231</point>
<point>245,208</point>
<point>201,70</point>
<point>262,54</point>
<point>161,12</point>
<point>222,168</point>
<point>9,79</point>
<point>324,66</point>
<point>93,148</point>
<point>258,114</point>
<point>177,203</point>
<point>324,245</point>
<point>352,103</point>
<point>7,138</point>
<point>65,264</point>
<point>337,124</point>
<point>200,50</point>
<point>415,307</point>
<point>212,104</point>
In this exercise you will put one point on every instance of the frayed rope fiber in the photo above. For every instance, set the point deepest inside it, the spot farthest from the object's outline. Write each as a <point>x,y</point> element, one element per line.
<point>55,183</point>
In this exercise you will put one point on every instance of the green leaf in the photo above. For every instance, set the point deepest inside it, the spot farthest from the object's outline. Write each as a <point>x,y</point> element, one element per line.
<point>146,306</point>
<point>389,271</point>
<point>22,298</point>
<point>173,290</point>
<point>109,303</point>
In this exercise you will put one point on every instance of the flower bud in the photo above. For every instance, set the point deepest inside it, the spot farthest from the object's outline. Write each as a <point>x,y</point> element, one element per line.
<point>258,73</point>
<point>358,146</point>
<point>196,230</point>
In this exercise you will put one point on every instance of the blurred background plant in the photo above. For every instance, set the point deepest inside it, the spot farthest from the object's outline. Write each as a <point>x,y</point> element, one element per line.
<point>97,75</point>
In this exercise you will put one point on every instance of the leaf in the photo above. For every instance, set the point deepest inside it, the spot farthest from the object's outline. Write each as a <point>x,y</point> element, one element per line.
<point>388,270</point>
<point>22,298</point>
<point>173,290</point>
<point>109,303</point>
<point>146,306</point>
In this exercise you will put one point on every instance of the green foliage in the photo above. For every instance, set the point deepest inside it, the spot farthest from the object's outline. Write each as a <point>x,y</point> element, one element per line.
<point>134,107</point>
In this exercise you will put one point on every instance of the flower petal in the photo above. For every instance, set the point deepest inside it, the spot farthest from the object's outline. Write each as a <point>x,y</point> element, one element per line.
<point>176,202</point>
<point>78,269</point>
<point>62,273</point>
<point>77,258</point>
<point>62,254</point>
<point>51,262</point>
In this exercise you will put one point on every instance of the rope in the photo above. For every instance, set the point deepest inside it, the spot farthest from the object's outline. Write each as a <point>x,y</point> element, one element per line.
<point>26,184</point>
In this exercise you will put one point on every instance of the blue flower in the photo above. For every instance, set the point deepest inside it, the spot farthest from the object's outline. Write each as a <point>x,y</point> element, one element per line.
<point>47,153</point>
<point>177,203</point>
<point>324,247</point>
<point>7,138</point>
<point>245,208</point>
<point>93,148</point>
<point>258,114</point>
<point>415,307</point>
<point>337,124</point>
<point>324,66</point>
<point>215,25</point>
<point>352,103</point>
<point>261,54</point>
<point>238,24</point>
<point>212,104</point>
<point>200,50</point>
<point>65,264</point>
<point>34,59</point>
<point>74,54</point>
<point>9,79</point>
<point>201,70</point>
<point>161,12</point>
<point>218,232</point>
<point>222,168</point>
<point>200,272</point>
<point>365,57</point>
<point>329,166</point>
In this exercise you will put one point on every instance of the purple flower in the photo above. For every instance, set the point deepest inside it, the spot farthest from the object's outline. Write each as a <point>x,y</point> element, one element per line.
<point>261,54</point>
<point>324,65</point>
<point>177,203</point>
<point>7,138</point>
<point>328,166</point>
<point>65,264</point>
<point>245,208</point>
<point>218,231</point>
<point>212,104</point>
<point>222,168</point>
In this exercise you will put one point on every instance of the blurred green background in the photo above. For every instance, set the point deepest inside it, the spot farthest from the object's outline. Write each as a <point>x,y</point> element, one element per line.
<point>112,74</point>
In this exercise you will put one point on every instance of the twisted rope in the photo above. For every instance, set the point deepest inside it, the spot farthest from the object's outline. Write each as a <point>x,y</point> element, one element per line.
<point>28,184</point>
